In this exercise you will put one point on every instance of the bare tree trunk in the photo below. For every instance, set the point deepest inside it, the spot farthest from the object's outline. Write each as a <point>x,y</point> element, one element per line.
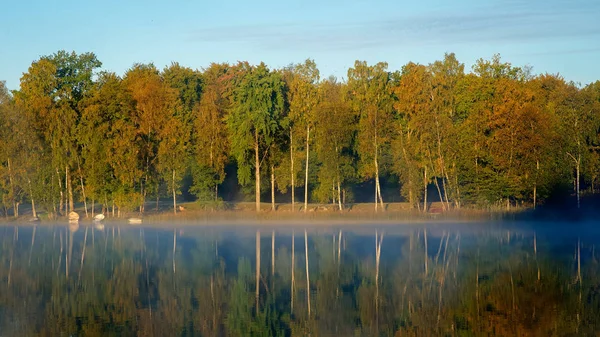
<point>578,184</point>
<point>33,211</point>
<point>69,186</point>
<point>174,194</point>
<point>60,202</point>
<point>272,188</point>
<point>306,172</point>
<point>257,269</point>
<point>537,169</point>
<point>257,173</point>
<point>307,273</point>
<point>425,191</point>
<point>437,185</point>
<point>82,189</point>
<point>12,189</point>
<point>292,169</point>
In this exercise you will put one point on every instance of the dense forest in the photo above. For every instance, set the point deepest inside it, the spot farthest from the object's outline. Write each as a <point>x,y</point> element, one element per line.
<point>497,136</point>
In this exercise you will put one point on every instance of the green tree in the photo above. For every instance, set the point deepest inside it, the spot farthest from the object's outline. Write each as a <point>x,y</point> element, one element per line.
<point>370,92</point>
<point>211,145</point>
<point>334,135</point>
<point>254,121</point>
<point>303,98</point>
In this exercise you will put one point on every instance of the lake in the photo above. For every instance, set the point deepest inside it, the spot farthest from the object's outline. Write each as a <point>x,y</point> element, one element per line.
<point>438,279</point>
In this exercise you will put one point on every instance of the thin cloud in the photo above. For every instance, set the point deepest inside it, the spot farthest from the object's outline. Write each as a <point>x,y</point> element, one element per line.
<point>502,22</point>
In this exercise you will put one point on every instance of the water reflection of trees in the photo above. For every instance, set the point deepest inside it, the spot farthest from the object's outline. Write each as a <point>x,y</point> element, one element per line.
<point>122,282</point>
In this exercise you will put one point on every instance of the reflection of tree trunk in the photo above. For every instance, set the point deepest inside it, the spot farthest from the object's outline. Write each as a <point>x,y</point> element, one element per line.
<point>257,269</point>
<point>272,254</point>
<point>306,172</point>
<point>32,242</point>
<point>292,169</point>
<point>339,194</point>
<point>426,256</point>
<point>61,252</point>
<point>12,253</point>
<point>69,254</point>
<point>174,247</point>
<point>83,254</point>
<point>256,171</point>
<point>378,241</point>
<point>293,276</point>
<point>307,273</point>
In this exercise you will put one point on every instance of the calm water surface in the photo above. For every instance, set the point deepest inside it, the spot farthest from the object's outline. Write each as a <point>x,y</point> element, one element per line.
<point>407,280</point>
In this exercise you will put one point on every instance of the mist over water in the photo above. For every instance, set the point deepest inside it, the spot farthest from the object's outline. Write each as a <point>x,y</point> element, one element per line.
<point>502,278</point>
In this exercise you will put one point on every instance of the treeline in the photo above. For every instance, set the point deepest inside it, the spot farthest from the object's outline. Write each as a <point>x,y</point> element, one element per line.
<point>495,136</point>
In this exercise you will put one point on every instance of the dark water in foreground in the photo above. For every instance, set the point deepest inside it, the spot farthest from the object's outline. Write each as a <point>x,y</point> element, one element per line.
<point>425,280</point>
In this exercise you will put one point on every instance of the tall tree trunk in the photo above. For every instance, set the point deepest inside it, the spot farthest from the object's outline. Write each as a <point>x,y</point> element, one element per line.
<point>174,194</point>
<point>306,172</point>
<point>82,189</point>
<point>60,189</point>
<point>12,188</point>
<point>292,170</point>
<point>142,193</point>
<point>537,165</point>
<point>70,188</point>
<point>34,213</point>
<point>257,172</point>
<point>437,185</point>
<point>272,188</point>
<point>376,177</point>
<point>578,184</point>
<point>425,190</point>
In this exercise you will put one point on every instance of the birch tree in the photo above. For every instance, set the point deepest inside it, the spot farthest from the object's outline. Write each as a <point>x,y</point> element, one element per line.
<point>370,92</point>
<point>303,99</point>
<point>254,121</point>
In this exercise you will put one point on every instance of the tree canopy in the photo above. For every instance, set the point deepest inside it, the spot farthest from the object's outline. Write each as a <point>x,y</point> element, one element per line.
<point>496,136</point>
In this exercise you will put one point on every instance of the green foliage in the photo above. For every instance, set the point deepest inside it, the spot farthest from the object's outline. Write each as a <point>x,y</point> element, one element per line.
<point>496,136</point>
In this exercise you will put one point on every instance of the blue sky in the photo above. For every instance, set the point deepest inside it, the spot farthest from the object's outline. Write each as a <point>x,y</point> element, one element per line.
<point>554,36</point>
